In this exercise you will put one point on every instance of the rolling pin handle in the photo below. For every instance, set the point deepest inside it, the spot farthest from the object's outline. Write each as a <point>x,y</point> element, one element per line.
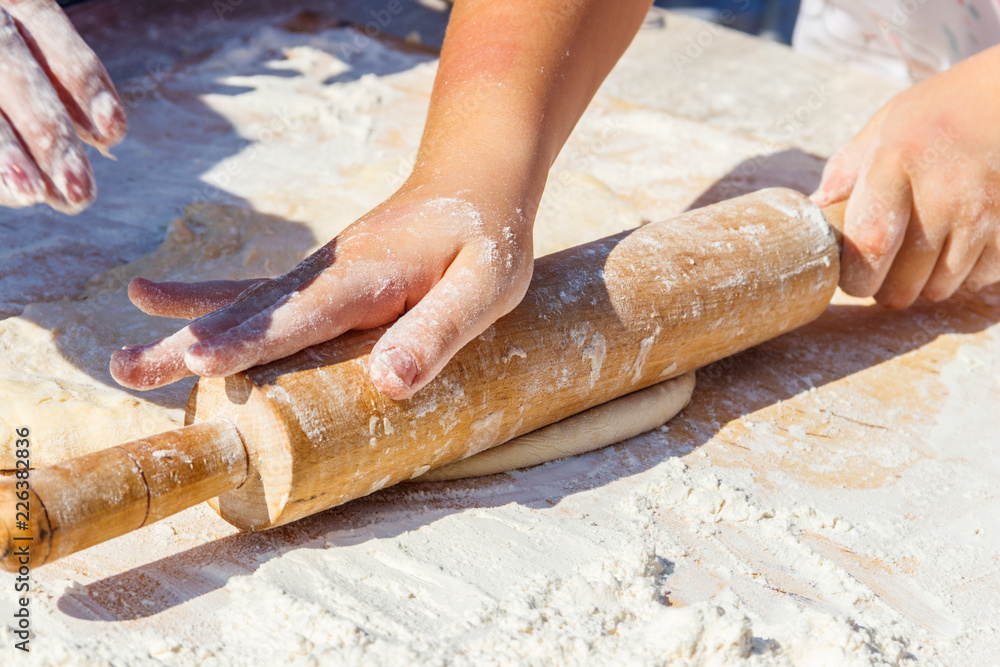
<point>834,214</point>
<point>76,504</point>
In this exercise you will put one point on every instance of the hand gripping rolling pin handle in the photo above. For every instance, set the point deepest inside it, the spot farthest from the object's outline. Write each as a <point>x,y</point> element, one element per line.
<point>76,504</point>
<point>91,499</point>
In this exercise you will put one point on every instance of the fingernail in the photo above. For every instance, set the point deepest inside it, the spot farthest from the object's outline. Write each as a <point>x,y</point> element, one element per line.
<point>146,346</point>
<point>108,114</point>
<point>396,364</point>
<point>73,178</point>
<point>821,197</point>
<point>138,283</point>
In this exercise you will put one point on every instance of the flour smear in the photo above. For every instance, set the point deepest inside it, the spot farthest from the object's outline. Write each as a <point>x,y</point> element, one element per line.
<point>793,514</point>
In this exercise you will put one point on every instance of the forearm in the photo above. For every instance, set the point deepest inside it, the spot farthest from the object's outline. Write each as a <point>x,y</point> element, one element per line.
<point>513,80</point>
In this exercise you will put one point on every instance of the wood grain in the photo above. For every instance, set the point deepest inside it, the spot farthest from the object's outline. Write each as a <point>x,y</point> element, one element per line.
<point>599,321</point>
<point>283,441</point>
<point>91,499</point>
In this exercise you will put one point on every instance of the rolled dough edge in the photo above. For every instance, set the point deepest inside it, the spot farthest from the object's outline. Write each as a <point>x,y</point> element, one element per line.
<point>598,427</point>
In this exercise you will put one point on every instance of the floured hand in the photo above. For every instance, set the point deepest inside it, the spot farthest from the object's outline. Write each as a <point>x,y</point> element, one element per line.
<point>924,215</point>
<point>53,92</point>
<point>451,251</point>
<point>445,265</point>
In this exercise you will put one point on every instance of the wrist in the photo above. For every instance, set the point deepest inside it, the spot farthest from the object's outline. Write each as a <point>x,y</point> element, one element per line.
<point>488,170</point>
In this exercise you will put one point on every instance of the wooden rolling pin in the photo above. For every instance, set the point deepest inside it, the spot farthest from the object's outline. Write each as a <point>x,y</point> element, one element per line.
<point>300,435</point>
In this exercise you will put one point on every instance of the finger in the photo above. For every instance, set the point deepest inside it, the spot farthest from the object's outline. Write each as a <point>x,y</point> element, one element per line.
<point>922,247</point>
<point>467,300</point>
<point>186,300</point>
<point>875,224</point>
<point>20,182</point>
<point>959,255</point>
<point>162,362</point>
<point>317,311</point>
<point>154,364</point>
<point>987,269</point>
<point>74,70</point>
<point>36,114</point>
<point>840,173</point>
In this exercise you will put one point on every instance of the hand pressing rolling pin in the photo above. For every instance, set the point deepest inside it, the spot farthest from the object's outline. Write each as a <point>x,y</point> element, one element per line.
<point>53,93</point>
<point>450,252</point>
<point>447,254</point>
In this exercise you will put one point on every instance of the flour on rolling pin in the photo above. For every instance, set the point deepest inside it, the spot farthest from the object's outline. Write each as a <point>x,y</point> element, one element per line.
<point>283,441</point>
<point>599,321</point>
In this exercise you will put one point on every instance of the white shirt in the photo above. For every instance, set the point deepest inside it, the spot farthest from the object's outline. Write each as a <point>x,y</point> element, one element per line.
<point>903,39</point>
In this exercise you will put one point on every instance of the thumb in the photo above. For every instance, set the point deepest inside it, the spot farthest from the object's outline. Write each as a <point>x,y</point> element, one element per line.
<point>470,296</point>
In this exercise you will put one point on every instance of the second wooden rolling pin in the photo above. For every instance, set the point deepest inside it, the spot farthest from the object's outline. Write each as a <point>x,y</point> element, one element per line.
<point>283,441</point>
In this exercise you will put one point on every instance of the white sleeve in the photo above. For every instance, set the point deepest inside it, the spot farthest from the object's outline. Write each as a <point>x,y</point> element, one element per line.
<point>902,39</point>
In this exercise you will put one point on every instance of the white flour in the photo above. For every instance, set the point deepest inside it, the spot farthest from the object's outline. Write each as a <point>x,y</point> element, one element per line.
<point>792,515</point>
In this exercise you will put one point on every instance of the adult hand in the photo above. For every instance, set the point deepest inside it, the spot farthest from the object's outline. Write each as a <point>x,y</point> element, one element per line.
<point>445,265</point>
<point>923,178</point>
<point>53,93</point>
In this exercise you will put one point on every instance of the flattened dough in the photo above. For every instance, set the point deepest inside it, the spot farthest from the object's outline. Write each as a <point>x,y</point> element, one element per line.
<point>604,425</point>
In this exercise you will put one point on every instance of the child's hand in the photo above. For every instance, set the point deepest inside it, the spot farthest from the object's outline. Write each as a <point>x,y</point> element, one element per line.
<point>52,89</point>
<point>923,179</point>
<point>448,265</point>
<point>451,251</point>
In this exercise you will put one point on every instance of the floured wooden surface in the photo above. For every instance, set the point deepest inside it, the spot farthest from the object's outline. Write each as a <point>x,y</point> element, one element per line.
<point>834,492</point>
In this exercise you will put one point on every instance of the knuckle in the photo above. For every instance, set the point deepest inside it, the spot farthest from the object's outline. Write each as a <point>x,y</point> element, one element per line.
<point>936,295</point>
<point>912,157</point>
<point>431,336</point>
<point>982,220</point>
<point>941,284</point>
<point>515,289</point>
<point>963,216</point>
<point>859,283</point>
<point>985,274</point>
<point>872,240</point>
<point>895,299</point>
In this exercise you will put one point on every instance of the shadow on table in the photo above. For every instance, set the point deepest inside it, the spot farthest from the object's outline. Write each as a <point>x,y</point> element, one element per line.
<point>845,340</point>
<point>792,168</point>
<point>176,136</point>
